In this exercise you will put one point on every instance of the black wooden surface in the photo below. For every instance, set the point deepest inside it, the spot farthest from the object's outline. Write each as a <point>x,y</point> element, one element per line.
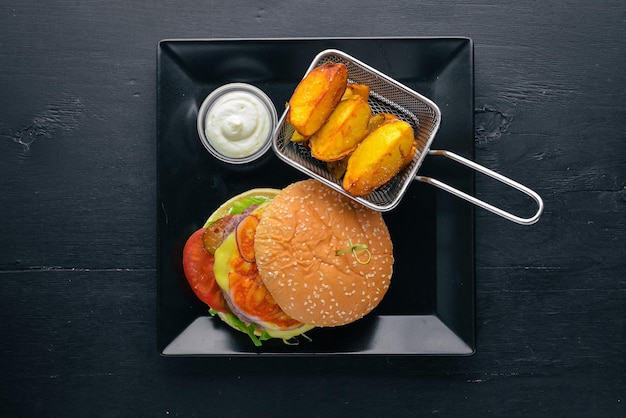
<point>78,211</point>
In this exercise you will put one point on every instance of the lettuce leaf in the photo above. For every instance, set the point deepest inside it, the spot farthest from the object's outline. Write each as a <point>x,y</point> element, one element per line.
<point>241,205</point>
<point>246,329</point>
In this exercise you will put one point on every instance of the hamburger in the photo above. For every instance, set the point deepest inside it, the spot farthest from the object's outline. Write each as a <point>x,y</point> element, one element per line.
<point>277,263</point>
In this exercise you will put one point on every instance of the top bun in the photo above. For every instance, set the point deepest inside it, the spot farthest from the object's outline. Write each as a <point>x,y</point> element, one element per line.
<point>297,243</point>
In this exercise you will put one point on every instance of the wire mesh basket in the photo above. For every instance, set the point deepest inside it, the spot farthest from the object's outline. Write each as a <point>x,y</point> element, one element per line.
<point>389,96</point>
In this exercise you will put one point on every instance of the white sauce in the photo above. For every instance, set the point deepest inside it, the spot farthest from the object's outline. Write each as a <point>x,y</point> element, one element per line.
<point>237,124</point>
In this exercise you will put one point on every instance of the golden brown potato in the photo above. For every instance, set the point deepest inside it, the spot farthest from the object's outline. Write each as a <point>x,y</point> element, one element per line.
<point>343,131</point>
<point>337,168</point>
<point>316,96</point>
<point>380,119</point>
<point>298,137</point>
<point>356,90</point>
<point>410,155</point>
<point>378,158</point>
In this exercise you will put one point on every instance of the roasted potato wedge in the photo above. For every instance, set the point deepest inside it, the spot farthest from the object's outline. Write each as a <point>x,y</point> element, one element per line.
<point>356,90</point>
<point>410,155</point>
<point>298,137</point>
<point>338,168</point>
<point>380,119</point>
<point>316,96</point>
<point>379,157</point>
<point>343,131</point>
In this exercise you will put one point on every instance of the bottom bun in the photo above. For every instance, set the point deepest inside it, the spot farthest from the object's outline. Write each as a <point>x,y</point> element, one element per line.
<point>237,324</point>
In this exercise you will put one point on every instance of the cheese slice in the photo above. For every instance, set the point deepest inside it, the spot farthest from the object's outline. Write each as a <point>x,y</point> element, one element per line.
<point>223,255</point>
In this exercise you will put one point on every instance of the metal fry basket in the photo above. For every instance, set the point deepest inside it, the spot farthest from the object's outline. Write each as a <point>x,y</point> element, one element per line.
<point>388,95</point>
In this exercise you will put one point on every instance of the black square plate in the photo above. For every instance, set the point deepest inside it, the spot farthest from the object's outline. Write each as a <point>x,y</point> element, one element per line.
<point>429,308</point>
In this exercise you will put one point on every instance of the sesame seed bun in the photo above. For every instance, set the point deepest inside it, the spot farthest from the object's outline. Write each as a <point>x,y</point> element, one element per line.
<point>297,243</point>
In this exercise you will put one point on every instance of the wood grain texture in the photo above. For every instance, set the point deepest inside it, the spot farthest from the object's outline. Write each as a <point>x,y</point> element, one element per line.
<point>78,216</point>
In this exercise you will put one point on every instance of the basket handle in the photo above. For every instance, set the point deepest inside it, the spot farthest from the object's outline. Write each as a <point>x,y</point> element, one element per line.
<point>478,202</point>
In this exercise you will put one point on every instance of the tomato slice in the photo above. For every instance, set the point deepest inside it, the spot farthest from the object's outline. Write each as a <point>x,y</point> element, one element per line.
<point>250,295</point>
<point>245,237</point>
<point>198,268</point>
